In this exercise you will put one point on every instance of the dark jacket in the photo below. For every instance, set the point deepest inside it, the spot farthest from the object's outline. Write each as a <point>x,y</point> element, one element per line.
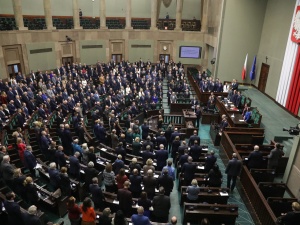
<point>161,206</point>
<point>234,167</point>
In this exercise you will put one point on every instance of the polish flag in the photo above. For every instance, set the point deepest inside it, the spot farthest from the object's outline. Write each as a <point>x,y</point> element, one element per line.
<point>244,68</point>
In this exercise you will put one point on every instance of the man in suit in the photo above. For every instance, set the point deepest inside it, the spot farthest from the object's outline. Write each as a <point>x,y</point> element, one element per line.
<point>31,217</point>
<point>161,206</point>
<point>188,169</point>
<point>161,139</point>
<point>174,134</point>
<point>13,210</point>
<point>20,118</point>
<point>75,165</point>
<point>255,159</point>
<point>67,140</point>
<point>54,176</point>
<point>44,144</point>
<point>124,197</point>
<point>145,130</point>
<point>118,164</point>
<point>140,219</point>
<point>97,194</point>
<point>194,103</point>
<point>146,154</point>
<point>7,170</point>
<point>195,151</point>
<point>168,134</point>
<point>233,170</point>
<point>30,160</point>
<point>166,181</point>
<point>198,115</point>
<point>274,156</point>
<point>194,138</point>
<point>148,142</point>
<point>135,183</point>
<point>161,157</point>
<point>210,161</point>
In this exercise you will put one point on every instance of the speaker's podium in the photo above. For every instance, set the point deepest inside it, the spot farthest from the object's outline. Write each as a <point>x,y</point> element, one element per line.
<point>166,25</point>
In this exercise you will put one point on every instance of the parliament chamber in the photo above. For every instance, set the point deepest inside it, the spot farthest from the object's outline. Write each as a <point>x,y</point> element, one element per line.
<point>132,112</point>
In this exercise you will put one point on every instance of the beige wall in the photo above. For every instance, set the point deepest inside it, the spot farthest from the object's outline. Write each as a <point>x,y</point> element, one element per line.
<point>273,41</point>
<point>42,61</point>
<point>239,37</point>
<point>140,52</point>
<point>92,55</point>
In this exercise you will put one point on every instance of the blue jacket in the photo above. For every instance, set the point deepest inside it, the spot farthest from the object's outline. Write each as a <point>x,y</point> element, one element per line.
<point>140,219</point>
<point>30,160</point>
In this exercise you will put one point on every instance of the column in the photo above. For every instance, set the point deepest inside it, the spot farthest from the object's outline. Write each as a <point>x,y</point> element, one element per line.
<point>48,15</point>
<point>76,19</point>
<point>103,14</point>
<point>204,15</point>
<point>178,14</point>
<point>17,6</point>
<point>128,15</point>
<point>153,14</point>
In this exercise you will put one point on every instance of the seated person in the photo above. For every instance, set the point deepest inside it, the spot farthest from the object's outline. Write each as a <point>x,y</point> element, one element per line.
<point>247,116</point>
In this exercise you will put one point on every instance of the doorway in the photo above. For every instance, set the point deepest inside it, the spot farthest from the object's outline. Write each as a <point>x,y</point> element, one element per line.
<point>264,72</point>
<point>116,58</point>
<point>164,58</point>
<point>67,60</point>
<point>14,69</point>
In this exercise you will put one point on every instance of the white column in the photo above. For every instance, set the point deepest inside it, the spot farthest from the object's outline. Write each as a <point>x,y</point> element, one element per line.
<point>178,14</point>
<point>17,6</point>
<point>128,15</point>
<point>153,14</point>
<point>76,19</point>
<point>103,14</point>
<point>48,15</point>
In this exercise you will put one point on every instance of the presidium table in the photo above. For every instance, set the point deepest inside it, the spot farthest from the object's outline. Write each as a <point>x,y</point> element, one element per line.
<point>189,116</point>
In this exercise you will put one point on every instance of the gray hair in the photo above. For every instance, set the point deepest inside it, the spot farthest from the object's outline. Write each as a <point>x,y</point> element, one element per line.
<point>52,165</point>
<point>32,210</point>
<point>90,164</point>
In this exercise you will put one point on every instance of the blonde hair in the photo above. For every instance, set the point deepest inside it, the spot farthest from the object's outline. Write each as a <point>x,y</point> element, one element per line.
<point>27,181</point>
<point>17,172</point>
<point>19,140</point>
<point>149,162</point>
<point>194,182</point>
<point>137,139</point>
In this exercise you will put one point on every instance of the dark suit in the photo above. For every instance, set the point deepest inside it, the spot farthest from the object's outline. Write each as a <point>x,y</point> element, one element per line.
<point>90,173</point>
<point>145,131</point>
<point>255,160</point>
<point>54,178</point>
<point>188,170</point>
<point>97,196</point>
<point>147,155</point>
<point>125,201</point>
<point>194,138</point>
<point>74,167</point>
<point>161,140</point>
<point>209,163</point>
<point>60,158</point>
<point>195,152</point>
<point>161,156</point>
<point>166,181</point>
<point>14,213</point>
<point>161,206</point>
<point>65,185</point>
<point>150,184</point>
<point>31,194</point>
<point>233,170</point>
<point>135,186</point>
<point>30,160</point>
<point>31,219</point>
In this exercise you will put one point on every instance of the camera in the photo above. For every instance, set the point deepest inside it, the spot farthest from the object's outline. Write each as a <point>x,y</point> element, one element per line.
<point>293,130</point>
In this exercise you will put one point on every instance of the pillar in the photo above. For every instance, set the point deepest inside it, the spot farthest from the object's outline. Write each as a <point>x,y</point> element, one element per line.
<point>17,6</point>
<point>153,14</point>
<point>103,14</point>
<point>48,15</point>
<point>178,14</point>
<point>204,16</point>
<point>128,15</point>
<point>76,20</point>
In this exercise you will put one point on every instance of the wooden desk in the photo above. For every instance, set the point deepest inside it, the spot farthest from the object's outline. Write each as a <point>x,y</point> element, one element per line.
<point>153,122</point>
<point>237,120</point>
<point>176,108</point>
<point>209,117</point>
<point>215,213</point>
<point>189,115</point>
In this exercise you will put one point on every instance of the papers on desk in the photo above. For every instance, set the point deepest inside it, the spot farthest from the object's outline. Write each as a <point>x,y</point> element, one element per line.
<point>246,158</point>
<point>116,202</point>
<point>223,194</point>
<point>104,149</point>
<point>154,164</point>
<point>242,120</point>
<point>200,167</point>
<point>126,171</point>
<point>151,208</point>
<point>155,176</point>
<point>204,149</point>
<point>81,171</point>
<point>156,190</point>
<point>38,166</point>
<point>130,223</point>
<point>67,161</point>
<point>97,154</point>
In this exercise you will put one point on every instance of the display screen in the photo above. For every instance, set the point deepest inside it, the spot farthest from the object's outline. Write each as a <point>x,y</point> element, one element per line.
<point>193,52</point>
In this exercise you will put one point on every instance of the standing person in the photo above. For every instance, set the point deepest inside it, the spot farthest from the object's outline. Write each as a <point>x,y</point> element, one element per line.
<point>140,219</point>
<point>73,211</point>
<point>210,161</point>
<point>161,206</point>
<point>135,186</point>
<point>274,156</point>
<point>97,194</point>
<point>13,210</point>
<point>255,159</point>
<point>198,115</point>
<point>161,156</point>
<point>119,219</point>
<point>150,183</point>
<point>125,199</point>
<point>121,178</point>
<point>30,160</point>
<point>233,170</point>
<point>109,179</point>
<point>171,170</point>
<point>293,217</point>
<point>146,203</point>
<point>166,181</point>
<point>31,217</point>
<point>214,177</point>
<point>88,212</point>
<point>65,183</point>
<point>192,191</point>
<point>32,196</point>
<point>188,169</point>
<point>104,218</point>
